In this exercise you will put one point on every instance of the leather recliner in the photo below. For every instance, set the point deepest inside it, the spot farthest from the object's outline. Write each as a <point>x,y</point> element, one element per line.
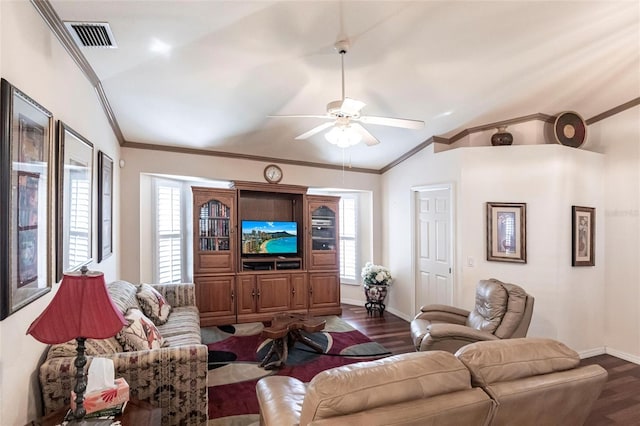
<point>502,311</point>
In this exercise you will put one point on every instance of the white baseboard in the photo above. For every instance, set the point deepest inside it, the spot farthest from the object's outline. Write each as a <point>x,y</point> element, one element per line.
<point>592,352</point>
<point>622,355</point>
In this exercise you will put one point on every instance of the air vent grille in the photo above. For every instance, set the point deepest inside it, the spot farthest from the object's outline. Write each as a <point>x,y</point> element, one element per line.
<point>92,34</point>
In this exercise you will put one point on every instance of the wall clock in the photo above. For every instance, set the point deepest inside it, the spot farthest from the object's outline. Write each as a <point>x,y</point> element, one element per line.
<point>273,173</point>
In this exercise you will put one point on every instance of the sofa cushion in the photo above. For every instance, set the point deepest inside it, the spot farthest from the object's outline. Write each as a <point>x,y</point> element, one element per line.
<point>367,385</point>
<point>141,334</point>
<point>153,304</point>
<point>123,294</point>
<point>491,304</point>
<point>183,327</point>
<point>93,347</point>
<point>512,359</point>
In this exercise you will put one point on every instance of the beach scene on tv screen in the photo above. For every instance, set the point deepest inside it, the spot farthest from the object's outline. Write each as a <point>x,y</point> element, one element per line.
<point>262,237</point>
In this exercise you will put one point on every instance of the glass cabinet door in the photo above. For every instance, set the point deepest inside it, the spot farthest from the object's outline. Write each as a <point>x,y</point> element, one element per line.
<point>323,229</point>
<point>215,226</point>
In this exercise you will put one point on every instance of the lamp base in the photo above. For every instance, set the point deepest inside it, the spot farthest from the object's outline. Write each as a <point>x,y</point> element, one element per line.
<point>81,384</point>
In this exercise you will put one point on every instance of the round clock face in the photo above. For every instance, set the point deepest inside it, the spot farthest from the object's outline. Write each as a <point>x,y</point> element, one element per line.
<point>273,173</point>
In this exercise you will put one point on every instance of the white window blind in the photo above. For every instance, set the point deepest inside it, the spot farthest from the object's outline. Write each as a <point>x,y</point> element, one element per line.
<point>348,238</point>
<point>79,250</point>
<point>169,254</point>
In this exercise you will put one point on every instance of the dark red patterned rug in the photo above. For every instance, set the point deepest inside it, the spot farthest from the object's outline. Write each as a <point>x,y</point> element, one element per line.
<point>235,352</point>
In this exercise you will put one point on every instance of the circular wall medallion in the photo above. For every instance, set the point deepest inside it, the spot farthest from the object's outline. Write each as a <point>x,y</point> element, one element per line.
<point>273,173</point>
<point>570,129</point>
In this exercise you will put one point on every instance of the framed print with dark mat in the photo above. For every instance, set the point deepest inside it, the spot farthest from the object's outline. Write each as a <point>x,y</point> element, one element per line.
<point>105,206</point>
<point>75,200</point>
<point>507,232</point>
<point>583,231</point>
<point>26,191</point>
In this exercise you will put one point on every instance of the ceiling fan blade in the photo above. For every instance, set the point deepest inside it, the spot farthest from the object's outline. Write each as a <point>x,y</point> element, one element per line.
<point>367,137</point>
<point>394,122</point>
<point>299,116</point>
<point>315,130</point>
<point>351,107</point>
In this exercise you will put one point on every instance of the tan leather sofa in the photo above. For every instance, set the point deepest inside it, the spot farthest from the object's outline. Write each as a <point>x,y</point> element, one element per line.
<point>514,382</point>
<point>501,311</point>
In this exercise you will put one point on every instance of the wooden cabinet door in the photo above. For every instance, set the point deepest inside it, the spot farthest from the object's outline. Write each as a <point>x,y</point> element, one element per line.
<point>215,299</point>
<point>299,293</point>
<point>214,230</point>
<point>247,294</point>
<point>273,292</point>
<point>324,290</point>
<point>323,239</point>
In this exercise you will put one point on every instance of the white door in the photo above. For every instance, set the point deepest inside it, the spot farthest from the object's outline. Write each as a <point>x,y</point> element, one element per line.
<point>434,283</point>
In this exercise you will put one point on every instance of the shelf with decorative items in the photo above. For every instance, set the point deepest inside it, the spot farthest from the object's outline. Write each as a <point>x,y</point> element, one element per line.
<point>376,280</point>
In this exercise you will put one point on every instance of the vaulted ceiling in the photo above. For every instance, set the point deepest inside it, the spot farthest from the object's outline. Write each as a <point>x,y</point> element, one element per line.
<point>207,74</point>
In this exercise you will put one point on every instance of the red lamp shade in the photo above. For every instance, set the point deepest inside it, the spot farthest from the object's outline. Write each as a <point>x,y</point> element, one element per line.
<point>81,308</point>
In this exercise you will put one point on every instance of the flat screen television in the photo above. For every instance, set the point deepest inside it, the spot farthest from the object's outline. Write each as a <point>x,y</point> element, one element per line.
<point>269,238</point>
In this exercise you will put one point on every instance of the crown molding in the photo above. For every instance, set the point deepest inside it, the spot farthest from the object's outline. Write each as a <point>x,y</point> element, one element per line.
<point>194,151</point>
<point>52,19</point>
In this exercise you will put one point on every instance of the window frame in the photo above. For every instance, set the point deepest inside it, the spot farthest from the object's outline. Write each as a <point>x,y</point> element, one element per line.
<point>158,183</point>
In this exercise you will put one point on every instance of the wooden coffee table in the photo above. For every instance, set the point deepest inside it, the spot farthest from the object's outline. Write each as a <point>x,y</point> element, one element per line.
<point>285,330</point>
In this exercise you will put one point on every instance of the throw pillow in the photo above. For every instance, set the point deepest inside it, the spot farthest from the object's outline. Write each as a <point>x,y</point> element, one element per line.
<point>141,334</point>
<point>153,304</point>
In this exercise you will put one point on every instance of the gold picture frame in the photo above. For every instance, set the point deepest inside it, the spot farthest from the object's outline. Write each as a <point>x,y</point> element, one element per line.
<point>507,232</point>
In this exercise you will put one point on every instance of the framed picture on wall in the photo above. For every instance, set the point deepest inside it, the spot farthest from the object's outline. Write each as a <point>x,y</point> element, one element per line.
<point>105,205</point>
<point>507,232</point>
<point>75,200</point>
<point>583,225</point>
<point>26,189</point>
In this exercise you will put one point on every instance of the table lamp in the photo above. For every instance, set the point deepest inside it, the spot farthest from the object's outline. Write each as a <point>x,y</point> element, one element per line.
<point>81,309</point>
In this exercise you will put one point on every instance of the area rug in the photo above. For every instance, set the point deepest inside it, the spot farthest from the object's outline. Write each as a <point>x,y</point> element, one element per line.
<point>235,352</point>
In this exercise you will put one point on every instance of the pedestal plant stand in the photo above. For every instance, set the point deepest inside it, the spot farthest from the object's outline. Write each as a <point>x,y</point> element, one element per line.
<point>376,294</point>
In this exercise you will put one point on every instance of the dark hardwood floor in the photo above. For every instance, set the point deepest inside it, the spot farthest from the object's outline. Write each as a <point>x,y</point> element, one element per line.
<point>619,403</point>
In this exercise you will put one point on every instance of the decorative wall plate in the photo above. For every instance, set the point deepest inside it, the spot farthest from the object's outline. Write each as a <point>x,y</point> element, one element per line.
<point>570,129</point>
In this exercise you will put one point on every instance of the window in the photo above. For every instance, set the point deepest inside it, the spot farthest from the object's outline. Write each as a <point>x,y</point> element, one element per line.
<point>80,217</point>
<point>348,238</point>
<point>168,232</point>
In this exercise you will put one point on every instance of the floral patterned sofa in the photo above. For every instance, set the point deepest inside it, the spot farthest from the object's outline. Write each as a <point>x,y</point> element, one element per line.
<point>172,374</point>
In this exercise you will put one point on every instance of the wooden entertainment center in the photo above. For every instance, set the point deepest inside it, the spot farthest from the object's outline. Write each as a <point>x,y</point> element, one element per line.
<point>233,286</point>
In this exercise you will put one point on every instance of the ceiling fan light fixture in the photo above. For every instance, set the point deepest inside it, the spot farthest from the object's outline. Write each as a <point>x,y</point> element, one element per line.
<point>343,136</point>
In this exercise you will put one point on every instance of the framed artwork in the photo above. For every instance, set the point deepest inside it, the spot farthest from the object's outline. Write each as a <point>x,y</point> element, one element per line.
<point>506,232</point>
<point>75,200</point>
<point>26,207</point>
<point>583,225</point>
<point>105,205</point>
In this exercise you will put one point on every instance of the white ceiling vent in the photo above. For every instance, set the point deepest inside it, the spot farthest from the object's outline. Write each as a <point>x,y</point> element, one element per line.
<point>92,34</point>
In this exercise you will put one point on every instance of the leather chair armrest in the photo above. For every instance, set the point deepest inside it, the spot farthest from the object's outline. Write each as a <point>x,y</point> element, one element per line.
<point>443,313</point>
<point>459,332</point>
<point>280,399</point>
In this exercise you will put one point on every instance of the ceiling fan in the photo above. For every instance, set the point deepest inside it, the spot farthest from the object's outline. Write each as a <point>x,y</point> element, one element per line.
<point>345,117</point>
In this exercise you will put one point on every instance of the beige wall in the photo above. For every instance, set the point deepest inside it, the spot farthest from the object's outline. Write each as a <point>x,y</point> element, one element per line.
<point>619,138</point>
<point>550,179</point>
<point>33,60</point>
<point>135,195</point>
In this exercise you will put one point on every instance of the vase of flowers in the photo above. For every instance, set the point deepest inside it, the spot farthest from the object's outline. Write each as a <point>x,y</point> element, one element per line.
<point>376,280</point>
